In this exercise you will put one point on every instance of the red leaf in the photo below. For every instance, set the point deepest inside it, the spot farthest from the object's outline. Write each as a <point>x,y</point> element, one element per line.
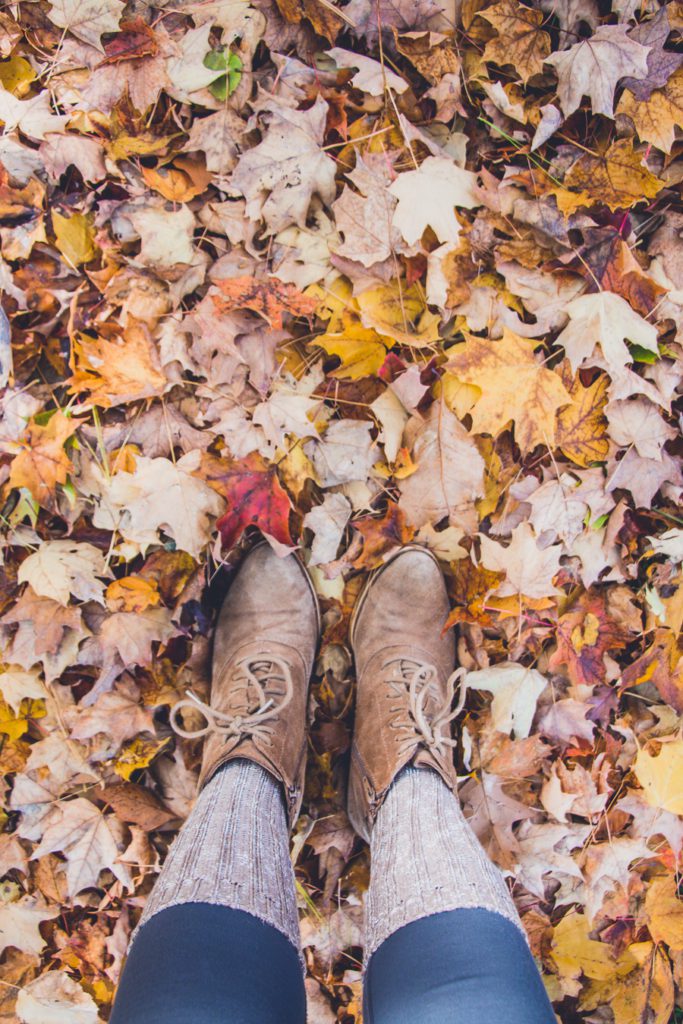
<point>267,296</point>
<point>254,495</point>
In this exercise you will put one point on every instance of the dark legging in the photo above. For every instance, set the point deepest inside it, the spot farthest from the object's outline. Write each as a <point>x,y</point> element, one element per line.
<point>201,964</point>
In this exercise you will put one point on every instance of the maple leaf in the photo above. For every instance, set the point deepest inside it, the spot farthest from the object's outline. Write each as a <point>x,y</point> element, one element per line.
<point>56,996</point>
<point>87,19</point>
<point>618,177</point>
<point>515,691</point>
<point>520,40</point>
<point>119,370</point>
<point>20,924</point>
<point>361,350</point>
<point>593,67</point>
<point>662,665</point>
<point>255,497</point>
<point>584,635</point>
<point>160,494</point>
<point>656,118</point>
<point>364,217</point>
<point>513,385</point>
<point>61,568</point>
<point>581,425</point>
<point>328,522</point>
<point>440,186</point>
<point>288,166</point>
<point>607,320</point>
<point>48,620</point>
<point>266,296</point>
<point>90,842</point>
<point>529,570</point>
<point>661,776</point>
<point>381,536</point>
<point>42,463</point>
<point>449,475</point>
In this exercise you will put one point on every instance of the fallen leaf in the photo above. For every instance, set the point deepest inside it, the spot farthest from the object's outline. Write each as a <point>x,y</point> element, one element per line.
<point>661,776</point>
<point>254,497</point>
<point>513,386</point>
<point>60,569</point>
<point>515,691</point>
<point>529,569</point>
<point>593,67</point>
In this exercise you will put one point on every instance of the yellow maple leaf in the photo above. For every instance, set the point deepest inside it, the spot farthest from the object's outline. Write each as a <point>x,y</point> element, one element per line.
<point>657,118</point>
<point>514,387</point>
<point>400,313</point>
<point>582,425</point>
<point>75,238</point>
<point>138,754</point>
<point>360,349</point>
<point>618,178</point>
<point>662,776</point>
<point>575,953</point>
<point>664,912</point>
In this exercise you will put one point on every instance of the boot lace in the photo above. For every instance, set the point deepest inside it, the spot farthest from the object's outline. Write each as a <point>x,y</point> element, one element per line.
<point>421,681</point>
<point>256,677</point>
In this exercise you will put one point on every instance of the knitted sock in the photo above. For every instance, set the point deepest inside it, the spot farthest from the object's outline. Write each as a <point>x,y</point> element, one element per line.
<point>233,851</point>
<point>426,859</point>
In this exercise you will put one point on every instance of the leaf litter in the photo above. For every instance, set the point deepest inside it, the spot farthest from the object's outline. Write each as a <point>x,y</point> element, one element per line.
<point>355,276</point>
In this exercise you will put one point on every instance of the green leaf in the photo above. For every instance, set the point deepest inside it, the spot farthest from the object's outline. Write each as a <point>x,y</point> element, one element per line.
<point>224,60</point>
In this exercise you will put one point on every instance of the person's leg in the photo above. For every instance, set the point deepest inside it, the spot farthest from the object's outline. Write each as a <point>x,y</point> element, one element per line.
<point>219,936</point>
<point>467,966</point>
<point>196,963</point>
<point>441,927</point>
<point>443,939</point>
<point>223,906</point>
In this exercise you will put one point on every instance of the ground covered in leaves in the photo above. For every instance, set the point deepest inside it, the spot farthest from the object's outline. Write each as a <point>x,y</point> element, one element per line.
<point>357,275</point>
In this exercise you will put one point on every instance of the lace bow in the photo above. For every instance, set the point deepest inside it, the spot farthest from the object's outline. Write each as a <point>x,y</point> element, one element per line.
<point>422,681</point>
<point>257,675</point>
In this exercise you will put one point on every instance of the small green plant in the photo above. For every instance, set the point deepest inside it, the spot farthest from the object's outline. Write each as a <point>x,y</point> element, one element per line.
<point>224,60</point>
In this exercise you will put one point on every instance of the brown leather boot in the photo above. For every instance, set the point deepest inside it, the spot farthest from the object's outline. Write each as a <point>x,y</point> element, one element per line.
<point>404,668</point>
<point>264,646</point>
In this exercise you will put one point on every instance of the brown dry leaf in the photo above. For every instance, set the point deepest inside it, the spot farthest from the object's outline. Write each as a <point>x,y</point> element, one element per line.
<point>449,474</point>
<point>656,118</point>
<point>514,387</point>
<point>42,462</point>
<point>581,431</point>
<point>519,41</point>
<point>618,177</point>
<point>119,370</point>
